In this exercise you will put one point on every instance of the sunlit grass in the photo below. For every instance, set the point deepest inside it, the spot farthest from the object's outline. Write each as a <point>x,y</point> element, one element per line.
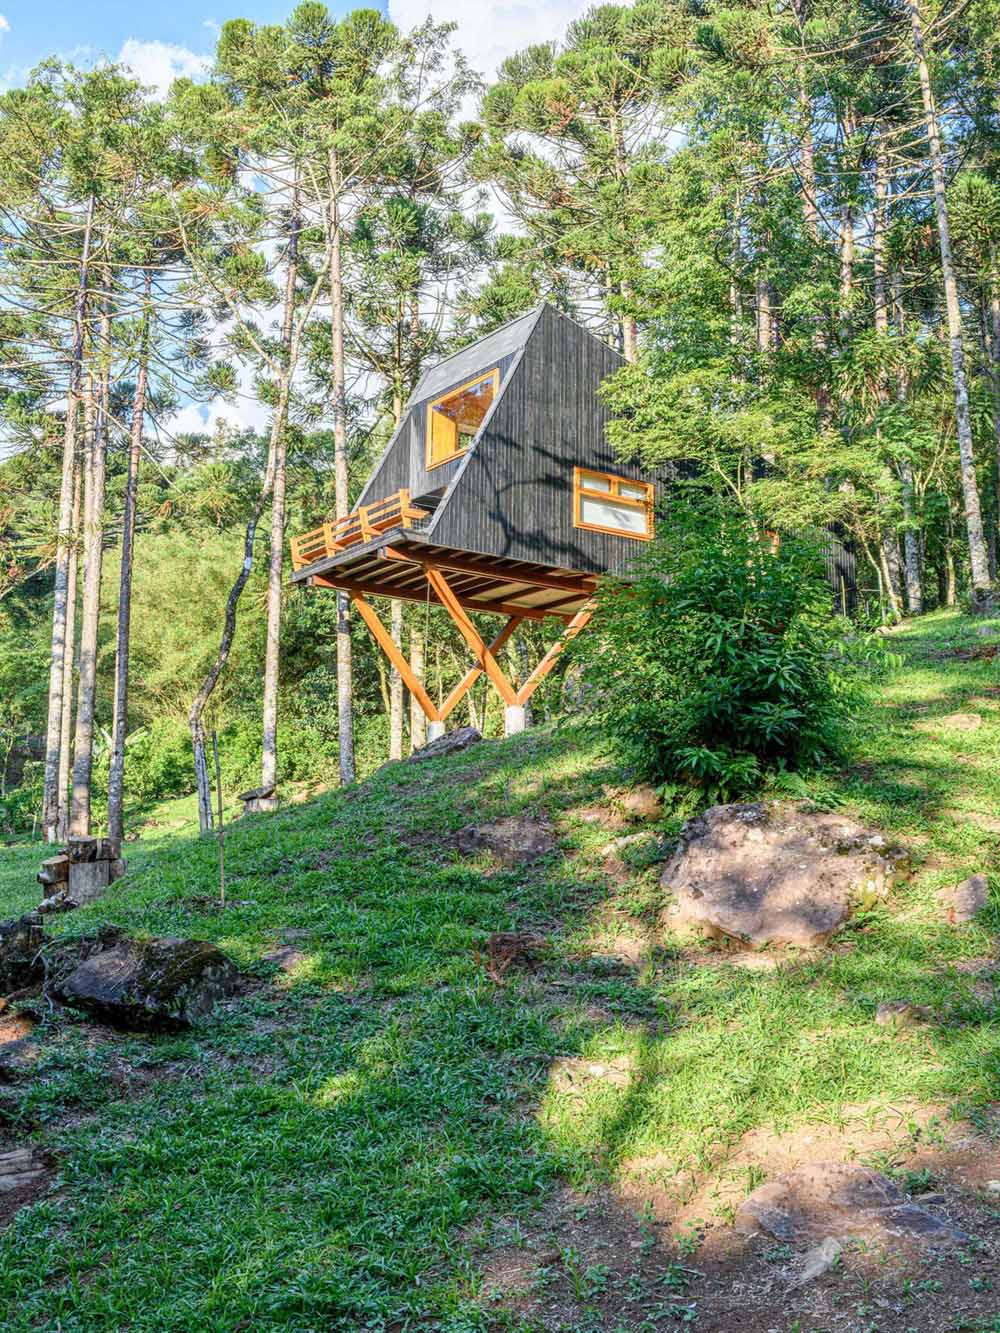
<point>314,1156</point>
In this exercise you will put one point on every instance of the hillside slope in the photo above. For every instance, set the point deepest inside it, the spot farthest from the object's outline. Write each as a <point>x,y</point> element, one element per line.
<point>401,1131</point>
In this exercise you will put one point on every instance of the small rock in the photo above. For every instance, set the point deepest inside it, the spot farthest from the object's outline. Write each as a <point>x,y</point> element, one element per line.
<point>901,1013</point>
<point>450,743</point>
<point>286,958</point>
<point>819,1260</point>
<point>158,983</point>
<point>21,940</point>
<point>965,901</point>
<point>642,802</point>
<point>836,1199</point>
<point>926,1200</point>
<point>17,1058</point>
<point>57,902</point>
<point>513,840</point>
<point>574,1075</point>
<point>19,1169</point>
<point>992,1187</point>
<point>508,948</point>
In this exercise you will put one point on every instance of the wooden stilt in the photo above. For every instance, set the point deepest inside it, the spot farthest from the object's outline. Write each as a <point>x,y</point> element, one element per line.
<point>470,634</point>
<point>384,640</point>
<point>552,656</point>
<point>471,676</point>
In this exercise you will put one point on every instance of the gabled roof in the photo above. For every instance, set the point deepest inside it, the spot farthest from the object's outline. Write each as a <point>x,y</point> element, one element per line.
<point>477,356</point>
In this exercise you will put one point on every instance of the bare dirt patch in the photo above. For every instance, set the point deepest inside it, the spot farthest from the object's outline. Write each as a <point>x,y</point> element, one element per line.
<point>604,1261</point>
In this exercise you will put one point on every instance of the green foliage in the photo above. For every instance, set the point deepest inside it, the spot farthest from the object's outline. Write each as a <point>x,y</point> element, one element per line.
<point>723,661</point>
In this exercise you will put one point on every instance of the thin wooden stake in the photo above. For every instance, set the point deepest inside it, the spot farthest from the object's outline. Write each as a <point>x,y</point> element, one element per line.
<point>222,834</point>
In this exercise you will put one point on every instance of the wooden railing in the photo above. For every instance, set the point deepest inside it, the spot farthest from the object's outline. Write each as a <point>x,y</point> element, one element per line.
<point>360,526</point>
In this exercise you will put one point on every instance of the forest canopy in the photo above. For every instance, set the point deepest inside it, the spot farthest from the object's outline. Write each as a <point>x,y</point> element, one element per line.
<point>785,218</point>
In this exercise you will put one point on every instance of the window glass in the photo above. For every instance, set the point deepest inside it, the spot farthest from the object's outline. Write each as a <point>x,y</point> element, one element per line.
<point>593,481</point>
<point>612,504</point>
<point>608,514</point>
<point>632,490</point>
<point>455,419</point>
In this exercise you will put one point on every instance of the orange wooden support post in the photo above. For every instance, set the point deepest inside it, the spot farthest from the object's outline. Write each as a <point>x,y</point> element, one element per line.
<point>384,639</point>
<point>471,676</point>
<point>552,656</point>
<point>470,634</point>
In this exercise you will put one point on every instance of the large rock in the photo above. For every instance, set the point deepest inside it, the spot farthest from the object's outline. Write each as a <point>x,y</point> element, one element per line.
<point>159,983</point>
<point>965,901</point>
<point>836,1199</point>
<point>513,840</point>
<point>450,743</point>
<point>21,941</point>
<point>765,874</point>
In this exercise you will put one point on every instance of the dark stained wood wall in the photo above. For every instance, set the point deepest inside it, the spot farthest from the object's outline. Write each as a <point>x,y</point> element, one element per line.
<point>405,462</point>
<point>515,493</point>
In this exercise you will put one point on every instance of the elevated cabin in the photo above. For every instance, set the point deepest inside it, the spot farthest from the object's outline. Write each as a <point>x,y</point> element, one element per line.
<point>498,492</point>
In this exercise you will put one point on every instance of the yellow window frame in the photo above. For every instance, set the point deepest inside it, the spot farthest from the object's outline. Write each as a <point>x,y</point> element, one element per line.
<point>490,375</point>
<point>581,491</point>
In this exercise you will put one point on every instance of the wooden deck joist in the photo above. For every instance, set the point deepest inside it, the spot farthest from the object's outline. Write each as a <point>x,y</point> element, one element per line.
<point>393,565</point>
<point>403,564</point>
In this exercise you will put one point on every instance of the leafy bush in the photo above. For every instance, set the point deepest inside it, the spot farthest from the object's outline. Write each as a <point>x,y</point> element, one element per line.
<point>723,660</point>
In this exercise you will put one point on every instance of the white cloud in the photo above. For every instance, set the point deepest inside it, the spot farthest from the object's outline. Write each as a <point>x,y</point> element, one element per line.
<point>157,64</point>
<point>489,32</point>
<point>4,26</point>
<point>200,418</point>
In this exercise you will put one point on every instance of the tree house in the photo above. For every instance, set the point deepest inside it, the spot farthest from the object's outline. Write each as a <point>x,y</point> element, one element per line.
<point>498,492</point>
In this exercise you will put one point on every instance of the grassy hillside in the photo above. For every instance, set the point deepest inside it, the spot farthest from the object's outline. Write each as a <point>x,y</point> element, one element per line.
<point>352,1143</point>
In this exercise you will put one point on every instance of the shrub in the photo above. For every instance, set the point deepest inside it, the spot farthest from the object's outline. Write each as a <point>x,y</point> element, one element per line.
<point>723,659</point>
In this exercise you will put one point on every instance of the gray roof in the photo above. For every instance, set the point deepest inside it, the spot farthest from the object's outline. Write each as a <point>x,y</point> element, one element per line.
<point>464,364</point>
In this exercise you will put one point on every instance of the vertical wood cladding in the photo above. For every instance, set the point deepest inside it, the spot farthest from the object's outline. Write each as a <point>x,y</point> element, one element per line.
<point>515,494</point>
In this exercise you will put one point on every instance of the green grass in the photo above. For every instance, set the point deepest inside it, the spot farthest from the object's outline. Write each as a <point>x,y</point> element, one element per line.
<point>318,1155</point>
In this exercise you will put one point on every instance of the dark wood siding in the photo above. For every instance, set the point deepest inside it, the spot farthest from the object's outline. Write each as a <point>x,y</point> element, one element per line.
<point>514,496</point>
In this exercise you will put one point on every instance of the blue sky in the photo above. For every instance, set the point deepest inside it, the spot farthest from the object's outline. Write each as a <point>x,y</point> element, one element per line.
<point>163,38</point>
<point>85,31</point>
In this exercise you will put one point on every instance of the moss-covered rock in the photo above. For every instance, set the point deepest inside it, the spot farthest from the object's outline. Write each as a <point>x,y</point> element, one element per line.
<point>158,983</point>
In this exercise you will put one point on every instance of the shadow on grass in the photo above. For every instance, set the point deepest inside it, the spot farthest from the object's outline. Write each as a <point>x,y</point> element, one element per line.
<point>318,1153</point>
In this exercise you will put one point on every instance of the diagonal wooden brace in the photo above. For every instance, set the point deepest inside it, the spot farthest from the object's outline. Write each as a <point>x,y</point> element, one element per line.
<point>384,639</point>
<point>470,634</point>
<point>471,676</point>
<point>552,656</point>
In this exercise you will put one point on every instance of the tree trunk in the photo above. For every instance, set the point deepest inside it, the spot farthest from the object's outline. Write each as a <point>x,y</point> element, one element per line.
<point>807,165</point>
<point>345,682</point>
<point>206,819</point>
<point>891,573</point>
<point>847,231</point>
<point>66,727</point>
<point>418,722</point>
<point>93,557</point>
<point>765,325</point>
<point>982,591</point>
<point>911,533</point>
<point>276,467</point>
<point>994,363</point>
<point>396,683</point>
<point>119,725</point>
<point>57,659</point>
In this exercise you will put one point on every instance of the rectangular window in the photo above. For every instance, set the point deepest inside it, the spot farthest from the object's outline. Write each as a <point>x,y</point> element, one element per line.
<point>604,503</point>
<point>454,419</point>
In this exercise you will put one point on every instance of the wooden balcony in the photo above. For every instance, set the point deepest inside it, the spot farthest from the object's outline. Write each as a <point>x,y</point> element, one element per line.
<point>356,528</point>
